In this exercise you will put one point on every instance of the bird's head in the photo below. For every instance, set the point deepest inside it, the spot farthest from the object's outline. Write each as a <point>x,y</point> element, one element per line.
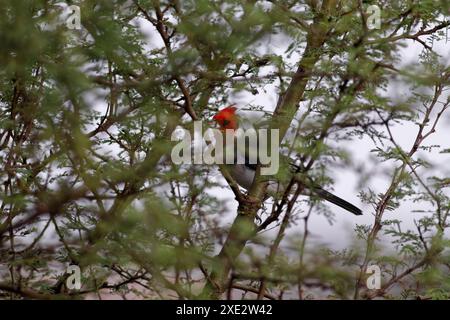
<point>227,118</point>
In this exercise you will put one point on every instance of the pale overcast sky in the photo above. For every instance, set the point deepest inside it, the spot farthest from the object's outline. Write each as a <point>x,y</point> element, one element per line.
<point>341,232</point>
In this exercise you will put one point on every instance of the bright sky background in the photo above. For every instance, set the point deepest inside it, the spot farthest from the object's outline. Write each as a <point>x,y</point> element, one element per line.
<point>339,235</point>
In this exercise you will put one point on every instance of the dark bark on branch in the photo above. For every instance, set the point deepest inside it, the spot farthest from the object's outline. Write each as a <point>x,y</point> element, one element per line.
<point>244,227</point>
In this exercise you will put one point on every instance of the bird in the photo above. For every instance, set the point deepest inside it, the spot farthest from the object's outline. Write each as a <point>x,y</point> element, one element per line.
<point>243,172</point>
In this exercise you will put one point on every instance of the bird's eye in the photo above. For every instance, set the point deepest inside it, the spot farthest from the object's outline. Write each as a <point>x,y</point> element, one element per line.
<point>225,122</point>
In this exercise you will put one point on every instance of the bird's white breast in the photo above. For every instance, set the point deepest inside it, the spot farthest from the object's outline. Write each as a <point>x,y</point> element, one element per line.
<point>244,177</point>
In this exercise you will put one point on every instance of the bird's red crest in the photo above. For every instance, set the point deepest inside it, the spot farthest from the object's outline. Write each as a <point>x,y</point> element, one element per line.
<point>226,118</point>
<point>230,110</point>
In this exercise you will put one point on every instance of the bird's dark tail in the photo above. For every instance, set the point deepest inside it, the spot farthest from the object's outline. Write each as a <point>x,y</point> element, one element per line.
<point>337,201</point>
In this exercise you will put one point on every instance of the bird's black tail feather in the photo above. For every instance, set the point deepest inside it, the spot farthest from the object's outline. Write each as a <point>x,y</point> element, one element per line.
<point>337,201</point>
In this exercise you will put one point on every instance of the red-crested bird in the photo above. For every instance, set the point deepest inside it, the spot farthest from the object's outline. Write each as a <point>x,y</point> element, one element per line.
<point>244,173</point>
